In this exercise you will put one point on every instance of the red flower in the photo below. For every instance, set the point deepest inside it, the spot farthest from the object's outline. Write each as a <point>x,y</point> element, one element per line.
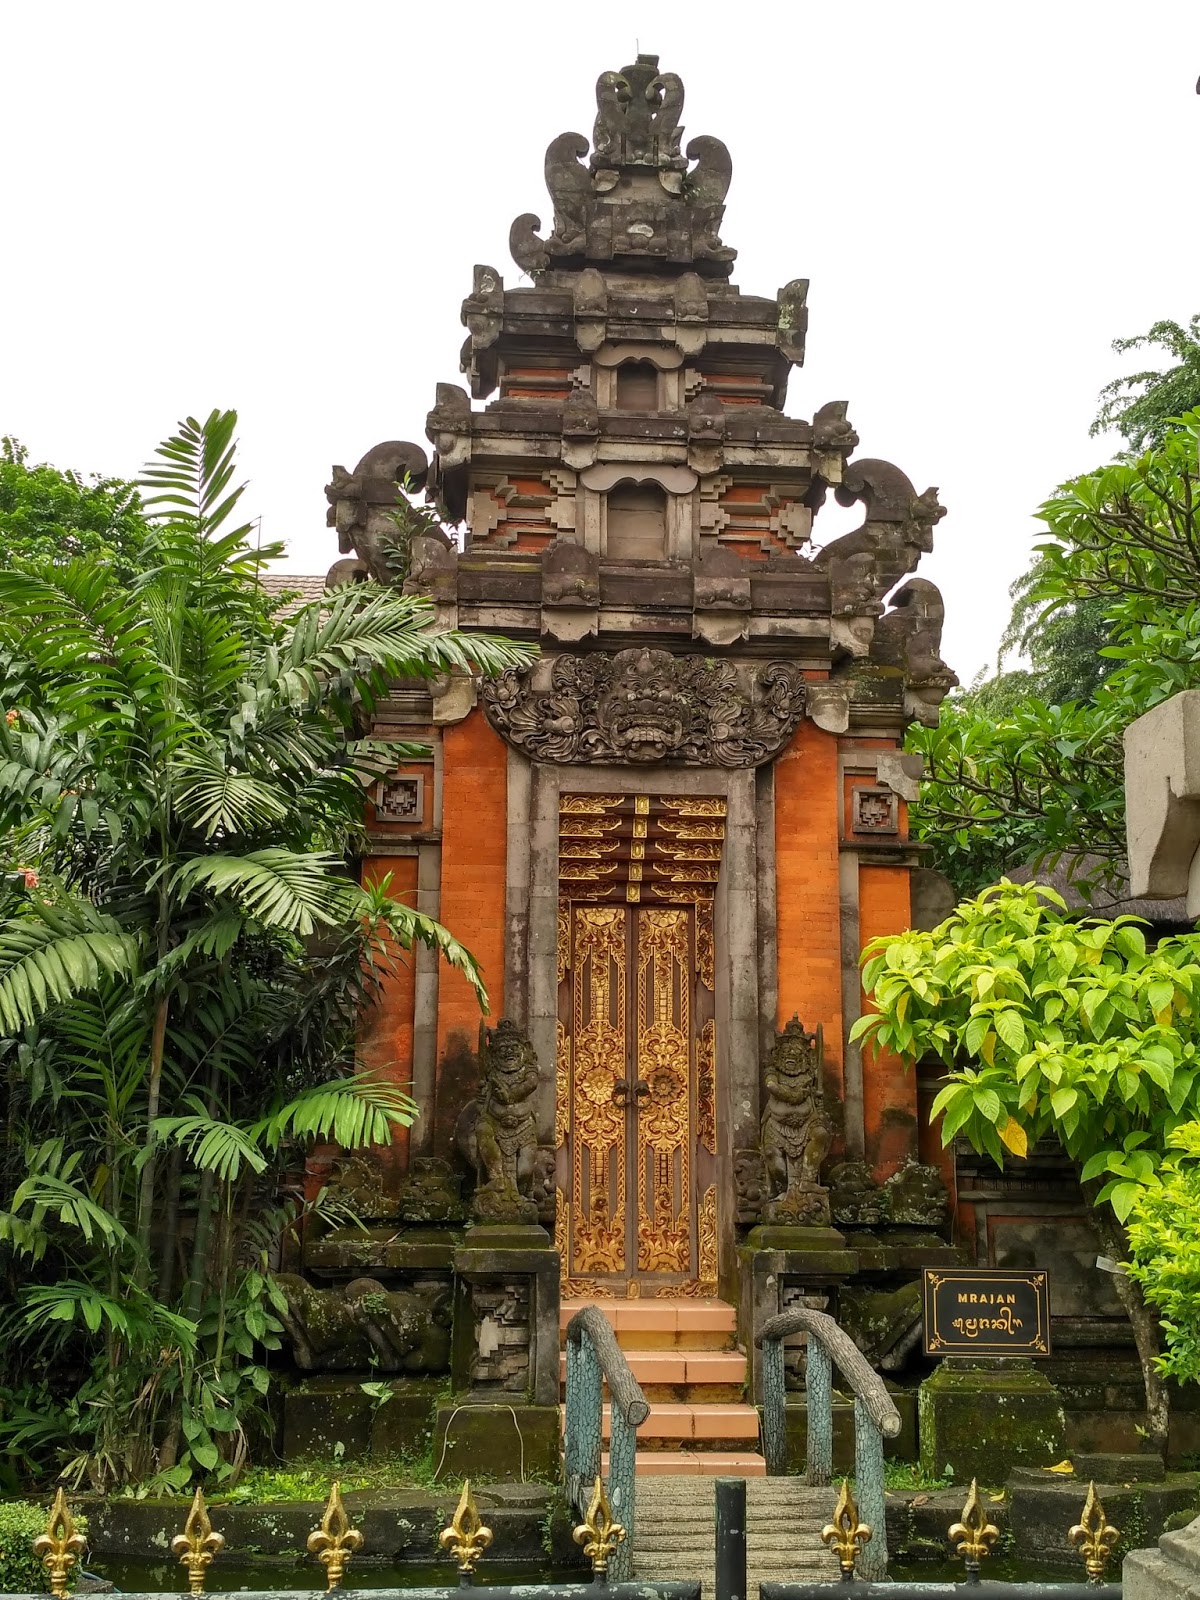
<point>31,878</point>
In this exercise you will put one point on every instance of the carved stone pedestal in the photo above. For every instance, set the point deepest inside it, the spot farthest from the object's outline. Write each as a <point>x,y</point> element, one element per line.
<point>503,1416</point>
<point>981,1418</point>
<point>783,1267</point>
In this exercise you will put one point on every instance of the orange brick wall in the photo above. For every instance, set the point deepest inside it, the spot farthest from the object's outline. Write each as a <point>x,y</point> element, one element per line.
<point>474,828</point>
<point>387,1043</point>
<point>889,1091</point>
<point>808,918</point>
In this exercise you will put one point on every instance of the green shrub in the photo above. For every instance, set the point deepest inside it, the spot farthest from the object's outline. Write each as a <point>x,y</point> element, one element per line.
<point>21,1572</point>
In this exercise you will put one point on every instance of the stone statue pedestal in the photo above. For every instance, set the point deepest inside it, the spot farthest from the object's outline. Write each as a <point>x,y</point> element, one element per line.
<point>784,1266</point>
<point>981,1417</point>
<point>503,1416</point>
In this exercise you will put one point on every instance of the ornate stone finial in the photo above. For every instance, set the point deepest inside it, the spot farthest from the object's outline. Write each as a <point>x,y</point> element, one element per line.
<point>795,1129</point>
<point>197,1544</point>
<point>497,1133</point>
<point>1094,1537</point>
<point>335,1541</point>
<point>845,1535</point>
<point>975,1535</point>
<point>60,1546</point>
<point>598,1533</point>
<point>466,1538</point>
<point>637,119</point>
<point>601,215</point>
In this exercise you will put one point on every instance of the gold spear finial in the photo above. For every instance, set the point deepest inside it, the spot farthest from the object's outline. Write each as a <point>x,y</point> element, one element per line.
<point>466,1538</point>
<point>197,1544</point>
<point>598,1533</point>
<point>60,1546</point>
<point>335,1541</point>
<point>975,1534</point>
<point>1094,1537</point>
<point>846,1534</point>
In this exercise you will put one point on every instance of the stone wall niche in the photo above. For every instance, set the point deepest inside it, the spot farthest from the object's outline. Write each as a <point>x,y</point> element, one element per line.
<point>636,523</point>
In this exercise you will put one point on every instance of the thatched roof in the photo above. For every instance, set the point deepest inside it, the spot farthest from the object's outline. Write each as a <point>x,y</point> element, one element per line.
<point>1106,898</point>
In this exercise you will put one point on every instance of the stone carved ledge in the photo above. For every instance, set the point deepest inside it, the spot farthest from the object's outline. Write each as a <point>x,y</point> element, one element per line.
<point>644,706</point>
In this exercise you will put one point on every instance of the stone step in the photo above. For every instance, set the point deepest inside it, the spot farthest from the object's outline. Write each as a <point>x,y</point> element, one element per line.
<point>675,1533</point>
<point>683,1375</point>
<point>663,1324</point>
<point>653,1464</point>
<point>668,1426</point>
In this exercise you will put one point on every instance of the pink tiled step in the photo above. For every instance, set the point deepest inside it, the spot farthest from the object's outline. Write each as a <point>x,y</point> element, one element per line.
<point>696,1425</point>
<point>705,1369</point>
<point>697,1464</point>
<point>660,1324</point>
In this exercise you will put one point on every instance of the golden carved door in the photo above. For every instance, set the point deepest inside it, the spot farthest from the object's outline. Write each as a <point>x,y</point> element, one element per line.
<point>636,1121</point>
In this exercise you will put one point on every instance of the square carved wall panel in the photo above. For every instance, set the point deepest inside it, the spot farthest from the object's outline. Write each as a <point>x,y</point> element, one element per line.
<point>874,811</point>
<point>400,799</point>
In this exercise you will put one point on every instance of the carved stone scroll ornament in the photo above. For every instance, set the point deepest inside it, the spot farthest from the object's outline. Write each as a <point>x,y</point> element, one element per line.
<point>366,1324</point>
<point>897,529</point>
<point>644,706</point>
<point>795,1129</point>
<point>497,1133</point>
<point>362,503</point>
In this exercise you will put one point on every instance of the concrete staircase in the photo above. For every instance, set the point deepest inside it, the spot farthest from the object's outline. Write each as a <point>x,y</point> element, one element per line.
<point>675,1535</point>
<point>683,1354</point>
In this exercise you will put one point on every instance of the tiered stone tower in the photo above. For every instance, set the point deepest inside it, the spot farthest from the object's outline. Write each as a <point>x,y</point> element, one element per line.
<point>677,830</point>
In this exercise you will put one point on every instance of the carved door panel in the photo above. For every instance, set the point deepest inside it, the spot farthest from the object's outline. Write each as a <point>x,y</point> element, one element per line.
<point>636,1122</point>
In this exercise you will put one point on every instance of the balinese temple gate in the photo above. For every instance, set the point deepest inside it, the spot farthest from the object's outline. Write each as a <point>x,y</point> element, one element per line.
<point>667,842</point>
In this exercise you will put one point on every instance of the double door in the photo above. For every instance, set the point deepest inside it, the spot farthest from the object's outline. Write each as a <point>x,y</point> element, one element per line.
<point>636,1099</point>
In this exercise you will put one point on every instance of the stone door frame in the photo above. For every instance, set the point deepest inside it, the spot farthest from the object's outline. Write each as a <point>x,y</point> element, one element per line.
<point>743,926</point>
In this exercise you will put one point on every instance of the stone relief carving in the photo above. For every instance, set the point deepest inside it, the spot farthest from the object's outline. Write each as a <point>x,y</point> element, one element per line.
<point>366,1325</point>
<point>644,706</point>
<point>497,1133</point>
<point>599,217</point>
<point>795,1129</point>
<point>917,1196</point>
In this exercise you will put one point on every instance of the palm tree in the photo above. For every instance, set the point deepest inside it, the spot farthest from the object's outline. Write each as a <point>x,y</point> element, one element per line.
<point>185,953</point>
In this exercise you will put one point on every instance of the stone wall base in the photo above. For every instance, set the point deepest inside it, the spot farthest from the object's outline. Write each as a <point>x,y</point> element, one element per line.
<point>980,1419</point>
<point>496,1440</point>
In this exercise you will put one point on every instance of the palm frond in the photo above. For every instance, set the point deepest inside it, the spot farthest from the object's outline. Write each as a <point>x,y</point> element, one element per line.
<point>192,472</point>
<point>216,800</point>
<point>214,1146</point>
<point>50,959</point>
<point>393,920</point>
<point>363,626</point>
<point>44,1194</point>
<point>353,1112</point>
<point>281,888</point>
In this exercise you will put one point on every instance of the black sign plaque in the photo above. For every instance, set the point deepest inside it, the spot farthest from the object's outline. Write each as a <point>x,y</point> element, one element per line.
<point>986,1311</point>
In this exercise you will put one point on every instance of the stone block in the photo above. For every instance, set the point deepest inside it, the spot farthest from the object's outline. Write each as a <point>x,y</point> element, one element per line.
<point>1172,1572</point>
<point>902,1448</point>
<point>979,1419</point>
<point>1044,1506</point>
<point>498,1441</point>
<point>1162,800</point>
<point>320,1414</point>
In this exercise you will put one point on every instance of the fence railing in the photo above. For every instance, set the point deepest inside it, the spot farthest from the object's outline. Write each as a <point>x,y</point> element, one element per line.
<point>875,1417</point>
<point>1093,1537</point>
<point>336,1542</point>
<point>594,1358</point>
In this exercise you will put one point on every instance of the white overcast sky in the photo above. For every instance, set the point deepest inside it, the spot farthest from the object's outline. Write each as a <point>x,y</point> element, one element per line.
<point>276,207</point>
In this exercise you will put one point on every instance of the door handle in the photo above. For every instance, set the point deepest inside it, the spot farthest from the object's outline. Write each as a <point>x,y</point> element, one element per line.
<point>622,1089</point>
